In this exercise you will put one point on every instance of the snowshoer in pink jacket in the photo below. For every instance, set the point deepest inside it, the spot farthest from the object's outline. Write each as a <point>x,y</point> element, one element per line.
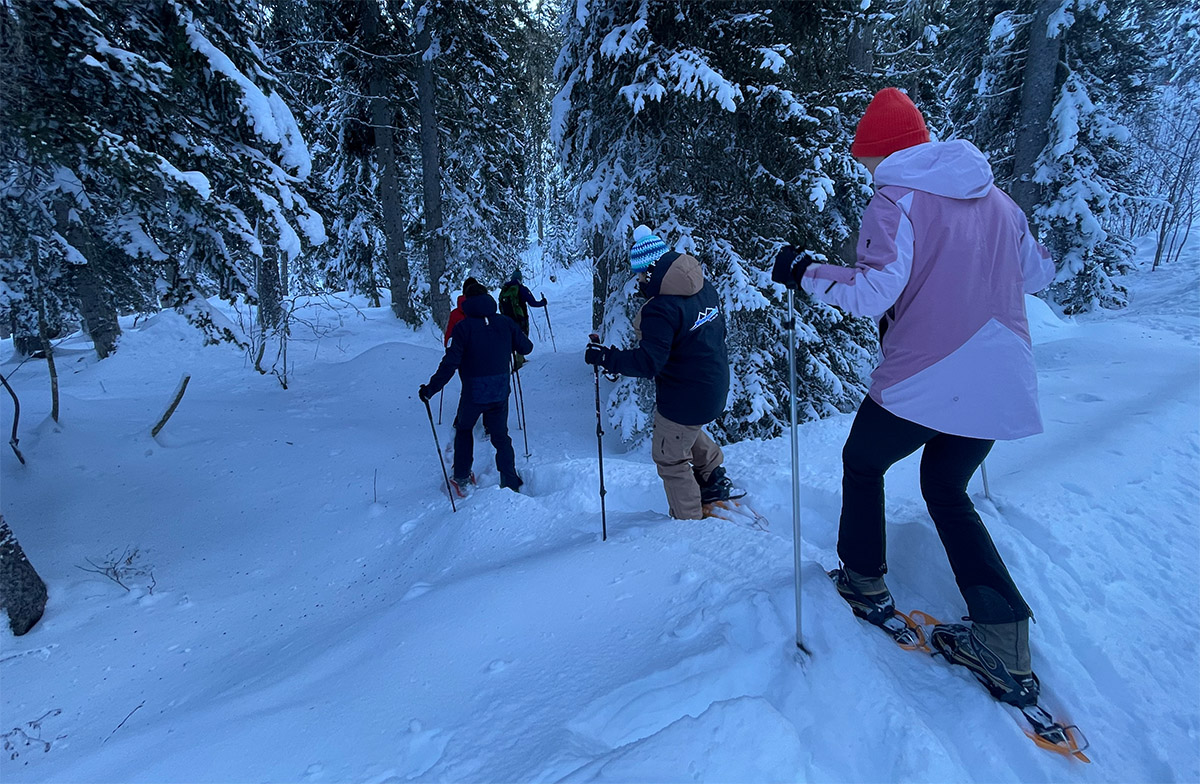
<point>945,259</point>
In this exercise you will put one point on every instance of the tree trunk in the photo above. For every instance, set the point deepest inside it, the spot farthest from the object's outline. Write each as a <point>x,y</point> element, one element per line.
<point>22,591</point>
<point>383,124</point>
<point>1038,81</point>
<point>431,167</point>
<point>48,349</point>
<point>601,275</point>
<point>95,305</point>
<point>44,329</point>
<point>860,49</point>
<point>270,294</point>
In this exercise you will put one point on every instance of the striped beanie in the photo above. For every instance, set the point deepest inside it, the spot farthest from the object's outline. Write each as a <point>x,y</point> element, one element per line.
<point>647,248</point>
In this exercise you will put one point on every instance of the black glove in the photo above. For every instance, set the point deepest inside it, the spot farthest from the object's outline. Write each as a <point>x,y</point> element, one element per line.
<point>782,271</point>
<point>788,270</point>
<point>425,393</point>
<point>542,304</point>
<point>596,354</point>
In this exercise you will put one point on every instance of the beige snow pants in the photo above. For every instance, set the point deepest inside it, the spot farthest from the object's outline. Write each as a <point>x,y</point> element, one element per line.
<point>679,450</point>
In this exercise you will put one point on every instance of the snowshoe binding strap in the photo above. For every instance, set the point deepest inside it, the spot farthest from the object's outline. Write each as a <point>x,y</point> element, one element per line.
<point>959,645</point>
<point>900,627</point>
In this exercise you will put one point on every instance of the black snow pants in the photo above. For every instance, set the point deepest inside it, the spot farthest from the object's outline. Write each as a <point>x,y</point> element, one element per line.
<point>878,439</point>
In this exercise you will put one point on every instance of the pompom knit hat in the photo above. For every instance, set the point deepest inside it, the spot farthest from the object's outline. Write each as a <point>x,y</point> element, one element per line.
<point>647,248</point>
<point>891,123</point>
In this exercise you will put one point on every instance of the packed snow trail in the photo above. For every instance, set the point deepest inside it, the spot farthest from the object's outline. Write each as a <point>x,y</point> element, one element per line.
<point>319,614</point>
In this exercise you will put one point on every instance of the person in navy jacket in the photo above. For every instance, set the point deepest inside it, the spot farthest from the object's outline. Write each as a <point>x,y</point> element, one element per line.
<point>681,346</point>
<point>481,346</point>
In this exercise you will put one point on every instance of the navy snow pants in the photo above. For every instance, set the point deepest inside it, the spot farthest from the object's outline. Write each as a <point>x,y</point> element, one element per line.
<point>495,421</point>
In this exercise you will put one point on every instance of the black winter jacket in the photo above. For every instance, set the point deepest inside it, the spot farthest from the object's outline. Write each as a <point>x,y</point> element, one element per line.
<point>481,348</point>
<point>682,343</point>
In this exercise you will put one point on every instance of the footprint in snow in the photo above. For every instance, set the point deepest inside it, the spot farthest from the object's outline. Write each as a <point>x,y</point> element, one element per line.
<point>1077,489</point>
<point>425,748</point>
<point>417,590</point>
<point>688,626</point>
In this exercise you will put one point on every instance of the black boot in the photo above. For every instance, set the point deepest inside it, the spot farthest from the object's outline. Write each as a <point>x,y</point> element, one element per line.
<point>965,645</point>
<point>870,600</point>
<point>719,487</point>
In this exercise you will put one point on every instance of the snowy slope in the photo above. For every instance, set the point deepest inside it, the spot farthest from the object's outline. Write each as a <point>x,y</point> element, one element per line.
<point>317,613</point>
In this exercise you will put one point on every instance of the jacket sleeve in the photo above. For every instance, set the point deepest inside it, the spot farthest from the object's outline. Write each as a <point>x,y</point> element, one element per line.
<point>652,353</point>
<point>450,362</point>
<point>521,342</point>
<point>885,253</point>
<point>1037,268</point>
<point>527,298</point>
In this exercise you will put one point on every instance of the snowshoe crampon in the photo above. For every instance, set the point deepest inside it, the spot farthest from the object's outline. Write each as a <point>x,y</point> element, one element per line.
<point>1043,730</point>
<point>1065,739</point>
<point>737,512</point>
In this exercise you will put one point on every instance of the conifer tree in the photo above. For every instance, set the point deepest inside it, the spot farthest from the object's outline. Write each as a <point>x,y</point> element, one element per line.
<point>707,126</point>
<point>481,53</point>
<point>147,139</point>
<point>1039,86</point>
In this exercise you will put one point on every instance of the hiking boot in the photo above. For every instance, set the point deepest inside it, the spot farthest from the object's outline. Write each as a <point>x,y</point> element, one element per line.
<point>995,653</point>
<point>463,485</point>
<point>719,487</point>
<point>511,485</point>
<point>870,600</point>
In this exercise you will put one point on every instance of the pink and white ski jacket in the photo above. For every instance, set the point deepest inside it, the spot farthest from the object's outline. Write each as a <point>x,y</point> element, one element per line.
<point>945,259</point>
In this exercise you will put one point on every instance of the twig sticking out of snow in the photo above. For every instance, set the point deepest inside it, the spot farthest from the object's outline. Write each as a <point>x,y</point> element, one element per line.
<point>183,382</point>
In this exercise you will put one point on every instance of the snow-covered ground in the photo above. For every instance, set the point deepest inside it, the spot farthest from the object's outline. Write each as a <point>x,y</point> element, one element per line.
<point>304,606</point>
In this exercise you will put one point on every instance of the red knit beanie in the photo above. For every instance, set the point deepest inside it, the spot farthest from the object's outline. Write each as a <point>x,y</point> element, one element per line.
<point>892,122</point>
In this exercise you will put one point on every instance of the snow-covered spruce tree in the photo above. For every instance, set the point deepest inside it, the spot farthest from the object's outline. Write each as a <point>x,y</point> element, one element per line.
<point>705,125</point>
<point>479,54</point>
<point>151,137</point>
<point>351,63</point>
<point>1083,170</point>
<point>1038,85</point>
<point>1166,149</point>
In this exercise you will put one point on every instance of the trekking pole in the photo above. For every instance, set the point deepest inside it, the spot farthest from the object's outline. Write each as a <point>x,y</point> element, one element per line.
<point>600,448</point>
<point>441,459</point>
<point>547,311</point>
<point>440,396</point>
<point>795,460</point>
<point>987,493</point>
<point>521,411</point>
<point>512,377</point>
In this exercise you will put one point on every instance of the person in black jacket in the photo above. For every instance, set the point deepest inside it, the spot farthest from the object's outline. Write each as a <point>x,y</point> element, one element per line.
<point>481,346</point>
<point>681,346</point>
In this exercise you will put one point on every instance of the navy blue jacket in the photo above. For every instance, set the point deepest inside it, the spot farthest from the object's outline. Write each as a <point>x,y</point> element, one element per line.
<point>682,343</point>
<point>481,347</point>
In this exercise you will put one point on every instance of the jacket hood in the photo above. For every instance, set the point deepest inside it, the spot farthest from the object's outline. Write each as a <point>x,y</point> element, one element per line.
<point>478,306</point>
<point>955,169</point>
<point>680,276</point>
